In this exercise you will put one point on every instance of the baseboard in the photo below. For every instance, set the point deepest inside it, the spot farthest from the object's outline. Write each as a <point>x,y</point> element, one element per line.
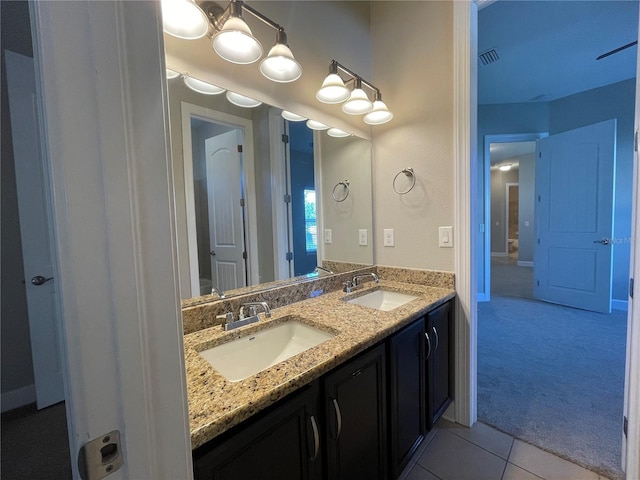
<point>525,264</point>
<point>620,305</point>
<point>499,254</point>
<point>482,297</point>
<point>18,398</point>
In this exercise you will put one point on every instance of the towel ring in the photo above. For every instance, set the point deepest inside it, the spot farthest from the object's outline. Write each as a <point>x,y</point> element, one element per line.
<point>345,184</point>
<point>409,173</point>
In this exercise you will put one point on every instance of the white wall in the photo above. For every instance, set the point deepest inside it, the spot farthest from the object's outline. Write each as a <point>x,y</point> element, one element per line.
<point>413,66</point>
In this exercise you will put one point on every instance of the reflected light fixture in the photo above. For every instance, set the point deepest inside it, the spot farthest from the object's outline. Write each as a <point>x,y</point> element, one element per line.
<point>380,113</point>
<point>200,86</point>
<point>315,125</point>
<point>279,65</point>
<point>333,89</point>
<point>171,74</point>
<point>505,168</point>
<point>184,19</point>
<point>242,101</point>
<point>358,102</point>
<point>292,117</point>
<point>336,132</point>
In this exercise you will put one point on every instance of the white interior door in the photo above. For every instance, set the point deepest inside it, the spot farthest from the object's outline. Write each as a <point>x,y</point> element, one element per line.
<point>226,213</point>
<point>574,191</point>
<point>35,232</point>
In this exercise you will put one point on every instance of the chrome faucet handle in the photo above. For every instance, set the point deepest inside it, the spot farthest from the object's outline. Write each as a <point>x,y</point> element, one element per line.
<point>227,317</point>
<point>347,286</point>
<point>254,305</point>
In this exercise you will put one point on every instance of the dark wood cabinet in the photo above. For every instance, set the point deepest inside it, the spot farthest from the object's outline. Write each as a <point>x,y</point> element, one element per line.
<point>283,444</point>
<point>407,404</point>
<point>356,417</point>
<point>439,362</point>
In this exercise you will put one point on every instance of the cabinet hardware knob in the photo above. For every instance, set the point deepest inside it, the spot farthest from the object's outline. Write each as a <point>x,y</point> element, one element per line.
<point>435,332</point>
<point>428,344</point>
<point>316,438</point>
<point>336,408</point>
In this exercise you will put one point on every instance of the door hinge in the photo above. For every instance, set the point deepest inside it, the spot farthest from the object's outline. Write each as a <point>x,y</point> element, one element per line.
<point>244,255</point>
<point>289,256</point>
<point>287,198</point>
<point>635,142</point>
<point>539,198</point>
<point>537,283</point>
<point>538,241</point>
<point>631,287</point>
<point>242,202</point>
<point>539,154</point>
<point>239,148</point>
<point>285,138</point>
<point>625,425</point>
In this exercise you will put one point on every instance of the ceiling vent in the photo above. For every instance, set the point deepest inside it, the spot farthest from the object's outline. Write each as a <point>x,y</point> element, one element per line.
<point>489,56</point>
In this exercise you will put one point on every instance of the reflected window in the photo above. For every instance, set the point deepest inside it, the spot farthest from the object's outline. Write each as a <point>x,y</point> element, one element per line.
<point>310,228</point>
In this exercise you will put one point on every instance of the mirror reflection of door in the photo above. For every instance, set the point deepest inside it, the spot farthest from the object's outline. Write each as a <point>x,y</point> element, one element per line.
<point>220,219</point>
<point>303,199</point>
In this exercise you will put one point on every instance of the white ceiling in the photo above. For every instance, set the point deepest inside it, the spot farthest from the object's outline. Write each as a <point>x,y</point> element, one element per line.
<point>548,49</point>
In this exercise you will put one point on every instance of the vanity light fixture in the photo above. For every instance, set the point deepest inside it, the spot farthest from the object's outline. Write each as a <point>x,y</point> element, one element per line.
<point>279,65</point>
<point>315,125</point>
<point>336,132</point>
<point>184,19</point>
<point>242,101</point>
<point>292,117</point>
<point>235,42</point>
<point>380,113</point>
<point>201,86</point>
<point>505,168</point>
<point>334,90</point>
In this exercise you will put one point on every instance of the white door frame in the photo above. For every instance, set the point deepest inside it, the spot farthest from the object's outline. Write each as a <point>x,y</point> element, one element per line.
<point>114,217</point>
<point>188,110</point>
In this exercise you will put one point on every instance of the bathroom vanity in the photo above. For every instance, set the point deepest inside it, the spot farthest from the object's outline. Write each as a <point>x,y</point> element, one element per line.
<point>356,405</point>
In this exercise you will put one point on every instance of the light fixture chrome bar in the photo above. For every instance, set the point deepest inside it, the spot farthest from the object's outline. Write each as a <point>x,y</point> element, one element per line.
<point>354,76</point>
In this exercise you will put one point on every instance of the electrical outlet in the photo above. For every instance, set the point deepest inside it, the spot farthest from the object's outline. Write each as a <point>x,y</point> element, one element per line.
<point>389,237</point>
<point>363,237</point>
<point>327,235</point>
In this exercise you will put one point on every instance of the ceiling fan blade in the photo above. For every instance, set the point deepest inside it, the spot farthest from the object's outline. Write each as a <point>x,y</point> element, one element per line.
<point>616,50</point>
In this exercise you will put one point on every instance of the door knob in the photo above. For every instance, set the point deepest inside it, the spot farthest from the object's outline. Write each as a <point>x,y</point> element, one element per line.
<point>40,280</point>
<point>212,253</point>
<point>604,241</point>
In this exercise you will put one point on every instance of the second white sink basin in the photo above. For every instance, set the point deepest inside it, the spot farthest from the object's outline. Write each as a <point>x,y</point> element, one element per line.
<point>246,356</point>
<point>381,299</point>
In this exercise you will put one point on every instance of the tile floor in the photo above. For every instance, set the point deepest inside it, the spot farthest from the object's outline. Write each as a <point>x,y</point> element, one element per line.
<point>454,452</point>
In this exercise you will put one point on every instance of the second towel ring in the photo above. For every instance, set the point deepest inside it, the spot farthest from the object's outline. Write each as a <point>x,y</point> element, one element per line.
<point>409,173</point>
<point>345,184</point>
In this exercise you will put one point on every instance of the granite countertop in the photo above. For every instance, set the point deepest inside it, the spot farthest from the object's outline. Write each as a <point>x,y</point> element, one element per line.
<point>216,404</point>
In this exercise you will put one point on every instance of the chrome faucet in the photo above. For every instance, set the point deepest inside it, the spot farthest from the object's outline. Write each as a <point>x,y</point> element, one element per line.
<point>215,291</point>
<point>357,278</point>
<point>319,268</point>
<point>253,309</point>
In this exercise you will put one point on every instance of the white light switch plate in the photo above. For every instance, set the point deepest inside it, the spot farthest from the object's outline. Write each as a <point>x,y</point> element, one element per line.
<point>363,237</point>
<point>327,235</point>
<point>445,237</point>
<point>389,238</point>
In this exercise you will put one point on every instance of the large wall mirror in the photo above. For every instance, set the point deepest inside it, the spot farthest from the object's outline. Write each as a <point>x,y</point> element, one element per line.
<point>251,208</point>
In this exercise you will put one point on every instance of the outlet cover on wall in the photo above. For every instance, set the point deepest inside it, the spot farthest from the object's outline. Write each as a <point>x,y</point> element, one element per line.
<point>327,235</point>
<point>389,237</point>
<point>363,239</point>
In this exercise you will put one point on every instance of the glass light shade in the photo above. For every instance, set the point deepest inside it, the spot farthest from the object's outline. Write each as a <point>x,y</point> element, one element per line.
<point>242,101</point>
<point>315,125</point>
<point>505,168</point>
<point>184,19</point>
<point>280,66</point>
<point>236,43</point>
<point>199,86</point>
<point>333,90</point>
<point>292,117</point>
<point>171,74</point>
<point>379,115</point>
<point>358,103</point>
<point>336,132</point>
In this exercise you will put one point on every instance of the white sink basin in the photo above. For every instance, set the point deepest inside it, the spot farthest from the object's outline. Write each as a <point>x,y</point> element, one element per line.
<point>246,356</point>
<point>381,299</point>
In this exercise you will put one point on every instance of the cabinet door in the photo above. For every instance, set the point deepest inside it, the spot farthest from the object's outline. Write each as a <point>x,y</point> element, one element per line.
<point>356,418</point>
<point>282,445</point>
<point>407,403</point>
<point>440,361</point>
